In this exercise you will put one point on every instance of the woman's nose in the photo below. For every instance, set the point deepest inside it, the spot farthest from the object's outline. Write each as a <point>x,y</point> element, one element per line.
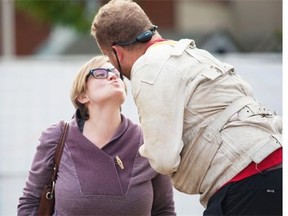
<point>112,76</point>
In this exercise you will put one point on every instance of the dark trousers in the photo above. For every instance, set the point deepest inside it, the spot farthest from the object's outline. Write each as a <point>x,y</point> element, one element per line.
<point>259,194</point>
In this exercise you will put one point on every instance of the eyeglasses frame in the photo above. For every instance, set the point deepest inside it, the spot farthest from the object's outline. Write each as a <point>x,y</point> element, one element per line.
<point>107,70</point>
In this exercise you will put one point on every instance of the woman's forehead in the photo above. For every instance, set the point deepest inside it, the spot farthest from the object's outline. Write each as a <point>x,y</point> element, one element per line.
<point>107,65</point>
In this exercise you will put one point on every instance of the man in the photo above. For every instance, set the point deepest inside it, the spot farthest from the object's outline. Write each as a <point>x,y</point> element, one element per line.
<point>201,124</point>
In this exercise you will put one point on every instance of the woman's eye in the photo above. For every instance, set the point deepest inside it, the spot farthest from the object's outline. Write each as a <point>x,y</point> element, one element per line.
<point>100,75</point>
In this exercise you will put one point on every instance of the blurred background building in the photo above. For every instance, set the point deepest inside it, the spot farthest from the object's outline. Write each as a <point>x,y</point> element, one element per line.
<point>63,26</point>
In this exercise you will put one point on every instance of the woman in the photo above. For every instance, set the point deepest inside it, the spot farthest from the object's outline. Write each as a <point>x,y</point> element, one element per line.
<point>101,171</point>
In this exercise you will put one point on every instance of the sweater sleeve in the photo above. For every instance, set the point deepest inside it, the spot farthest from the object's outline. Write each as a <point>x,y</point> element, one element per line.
<point>41,170</point>
<point>163,202</point>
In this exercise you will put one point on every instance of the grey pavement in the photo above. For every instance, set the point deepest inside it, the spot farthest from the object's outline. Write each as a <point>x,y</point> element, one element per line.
<point>34,93</point>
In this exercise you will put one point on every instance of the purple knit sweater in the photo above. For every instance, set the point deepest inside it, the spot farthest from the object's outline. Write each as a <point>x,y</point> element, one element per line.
<point>90,182</point>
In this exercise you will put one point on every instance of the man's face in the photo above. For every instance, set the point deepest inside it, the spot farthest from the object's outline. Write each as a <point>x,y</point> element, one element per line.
<point>121,65</point>
<point>112,58</point>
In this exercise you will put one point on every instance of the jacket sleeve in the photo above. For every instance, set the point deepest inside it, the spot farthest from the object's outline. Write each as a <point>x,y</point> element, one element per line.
<point>163,202</point>
<point>160,99</point>
<point>40,172</point>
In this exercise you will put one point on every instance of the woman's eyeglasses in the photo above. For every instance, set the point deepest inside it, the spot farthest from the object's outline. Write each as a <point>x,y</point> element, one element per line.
<point>102,73</point>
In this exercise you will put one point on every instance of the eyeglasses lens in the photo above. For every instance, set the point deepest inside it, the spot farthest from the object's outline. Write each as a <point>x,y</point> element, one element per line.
<point>102,73</point>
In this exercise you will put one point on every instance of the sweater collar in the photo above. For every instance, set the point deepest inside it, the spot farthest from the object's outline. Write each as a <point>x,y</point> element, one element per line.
<point>121,129</point>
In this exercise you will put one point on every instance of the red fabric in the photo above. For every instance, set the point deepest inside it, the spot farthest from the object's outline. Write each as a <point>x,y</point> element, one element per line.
<point>150,43</point>
<point>272,160</point>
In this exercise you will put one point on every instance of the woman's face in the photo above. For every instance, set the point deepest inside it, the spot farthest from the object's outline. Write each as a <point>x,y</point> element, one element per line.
<point>104,86</point>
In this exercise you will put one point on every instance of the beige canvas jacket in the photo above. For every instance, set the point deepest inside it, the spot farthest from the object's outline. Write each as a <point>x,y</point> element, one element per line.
<point>201,125</point>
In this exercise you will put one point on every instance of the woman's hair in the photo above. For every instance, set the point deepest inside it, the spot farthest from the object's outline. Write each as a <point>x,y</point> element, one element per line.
<point>79,85</point>
<point>119,20</point>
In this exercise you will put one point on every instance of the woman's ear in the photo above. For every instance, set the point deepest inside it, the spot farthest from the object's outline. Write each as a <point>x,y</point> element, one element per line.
<point>83,98</point>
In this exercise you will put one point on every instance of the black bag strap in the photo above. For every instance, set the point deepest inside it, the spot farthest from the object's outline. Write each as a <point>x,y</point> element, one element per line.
<point>47,199</point>
<point>57,158</point>
<point>59,151</point>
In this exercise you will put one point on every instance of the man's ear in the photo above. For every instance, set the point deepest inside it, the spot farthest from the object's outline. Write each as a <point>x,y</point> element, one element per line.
<point>83,98</point>
<point>118,50</point>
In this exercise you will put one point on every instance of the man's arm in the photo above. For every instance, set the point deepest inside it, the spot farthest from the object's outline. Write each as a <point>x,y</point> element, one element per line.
<point>160,99</point>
